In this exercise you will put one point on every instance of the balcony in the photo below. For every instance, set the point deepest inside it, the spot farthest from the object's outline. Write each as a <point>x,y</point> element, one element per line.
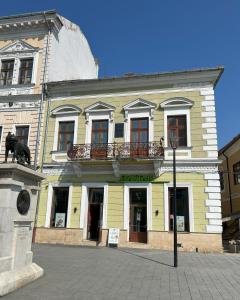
<point>116,151</point>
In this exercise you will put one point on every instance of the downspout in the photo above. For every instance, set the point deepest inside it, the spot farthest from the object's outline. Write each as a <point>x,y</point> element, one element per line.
<point>229,185</point>
<point>39,124</point>
<point>42,96</point>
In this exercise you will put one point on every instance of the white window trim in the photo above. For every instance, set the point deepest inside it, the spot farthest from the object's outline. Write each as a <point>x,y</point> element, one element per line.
<point>177,112</point>
<point>64,119</point>
<point>50,199</point>
<point>138,114</point>
<point>84,205</point>
<point>17,65</point>
<point>99,116</point>
<point>23,125</point>
<point>190,204</point>
<point>127,187</point>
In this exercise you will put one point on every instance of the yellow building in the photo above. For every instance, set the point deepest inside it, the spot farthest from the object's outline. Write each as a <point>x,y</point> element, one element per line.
<point>35,48</point>
<point>108,167</point>
<point>230,187</point>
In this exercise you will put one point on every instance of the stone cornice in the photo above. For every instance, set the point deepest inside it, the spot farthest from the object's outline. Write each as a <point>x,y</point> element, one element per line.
<point>30,20</point>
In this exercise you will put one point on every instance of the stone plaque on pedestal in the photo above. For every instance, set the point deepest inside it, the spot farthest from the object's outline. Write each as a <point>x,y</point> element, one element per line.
<point>19,188</point>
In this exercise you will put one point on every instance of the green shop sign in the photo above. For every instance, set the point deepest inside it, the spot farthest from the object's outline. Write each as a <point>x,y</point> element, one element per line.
<point>136,178</point>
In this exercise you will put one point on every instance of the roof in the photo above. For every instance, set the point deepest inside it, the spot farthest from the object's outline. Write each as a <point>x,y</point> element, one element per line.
<point>228,145</point>
<point>204,76</point>
<point>147,75</point>
<point>31,14</point>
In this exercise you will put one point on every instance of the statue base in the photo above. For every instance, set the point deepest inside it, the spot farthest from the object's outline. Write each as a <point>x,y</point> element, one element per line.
<point>19,188</point>
<point>13,280</point>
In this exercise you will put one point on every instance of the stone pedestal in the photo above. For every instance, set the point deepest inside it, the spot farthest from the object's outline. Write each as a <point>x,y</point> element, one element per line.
<point>19,188</point>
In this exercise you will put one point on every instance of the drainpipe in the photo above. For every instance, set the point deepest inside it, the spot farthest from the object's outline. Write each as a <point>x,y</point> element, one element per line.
<point>42,96</point>
<point>39,123</point>
<point>229,185</point>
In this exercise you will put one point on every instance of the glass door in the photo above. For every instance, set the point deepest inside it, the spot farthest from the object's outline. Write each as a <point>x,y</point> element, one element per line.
<point>138,216</point>
<point>139,137</point>
<point>99,139</point>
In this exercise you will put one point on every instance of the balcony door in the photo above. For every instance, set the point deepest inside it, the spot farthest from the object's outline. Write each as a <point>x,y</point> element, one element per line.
<point>99,139</point>
<point>138,216</point>
<point>139,137</point>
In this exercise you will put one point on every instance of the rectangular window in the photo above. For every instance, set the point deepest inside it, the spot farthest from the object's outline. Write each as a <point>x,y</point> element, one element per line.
<point>7,72</point>
<point>177,129</point>
<point>236,173</point>
<point>182,209</point>
<point>119,130</point>
<point>0,133</point>
<point>25,72</point>
<point>59,207</point>
<point>22,134</point>
<point>65,135</point>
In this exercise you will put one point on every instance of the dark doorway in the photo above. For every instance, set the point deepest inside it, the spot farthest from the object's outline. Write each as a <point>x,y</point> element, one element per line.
<point>182,209</point>
<point>138,216</point>
<point>95,208</point>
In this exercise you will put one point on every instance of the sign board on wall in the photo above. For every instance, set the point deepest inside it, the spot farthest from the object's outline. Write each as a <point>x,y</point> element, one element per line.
<point>113,236</point>
<point>60,220</point>
<point>180,223</point>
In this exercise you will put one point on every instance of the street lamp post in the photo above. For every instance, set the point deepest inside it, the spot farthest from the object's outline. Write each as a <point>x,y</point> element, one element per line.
<point>173,143</point>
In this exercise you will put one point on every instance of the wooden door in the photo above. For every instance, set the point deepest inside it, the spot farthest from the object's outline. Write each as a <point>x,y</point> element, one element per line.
<point>138,216</point>
<point>99,139</point>
<point>139,137</point>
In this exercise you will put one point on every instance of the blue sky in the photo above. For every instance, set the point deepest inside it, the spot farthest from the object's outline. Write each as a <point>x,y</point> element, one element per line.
<point>145,36</point>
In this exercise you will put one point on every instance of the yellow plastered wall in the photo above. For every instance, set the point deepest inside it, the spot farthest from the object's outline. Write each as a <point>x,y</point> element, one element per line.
<point>115,206</point>
<point>115,211</point>
<point>119,101</point>
<point>199,197</point>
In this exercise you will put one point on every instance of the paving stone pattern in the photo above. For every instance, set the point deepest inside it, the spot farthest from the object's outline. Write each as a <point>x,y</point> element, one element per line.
<point>105,273</point>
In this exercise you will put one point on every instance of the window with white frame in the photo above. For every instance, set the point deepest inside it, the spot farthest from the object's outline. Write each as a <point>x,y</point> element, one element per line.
<point>185,217</point>
<point>139,112</point>
<point>25,71</point>
<point>6,75</point>
<point>18,64</point>
<point>177,122</point>
<point>99,119</point>
<point>66,124</point>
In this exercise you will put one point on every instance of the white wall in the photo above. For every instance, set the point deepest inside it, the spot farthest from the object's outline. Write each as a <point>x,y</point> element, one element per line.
<point>70,56</point>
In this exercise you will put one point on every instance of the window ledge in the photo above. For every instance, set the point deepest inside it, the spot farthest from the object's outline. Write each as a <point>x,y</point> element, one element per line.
<point>16,86</point>
<point>179,148</point>
<point>58,152</point>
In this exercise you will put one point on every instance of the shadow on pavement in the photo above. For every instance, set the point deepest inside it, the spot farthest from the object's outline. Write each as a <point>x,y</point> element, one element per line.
<point>143,257</point>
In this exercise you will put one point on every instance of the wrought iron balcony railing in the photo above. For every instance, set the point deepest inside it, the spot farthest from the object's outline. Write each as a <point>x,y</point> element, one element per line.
<point>149,150</point>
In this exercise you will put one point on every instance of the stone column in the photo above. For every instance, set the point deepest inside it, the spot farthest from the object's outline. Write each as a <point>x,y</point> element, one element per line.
<point>19,188</point>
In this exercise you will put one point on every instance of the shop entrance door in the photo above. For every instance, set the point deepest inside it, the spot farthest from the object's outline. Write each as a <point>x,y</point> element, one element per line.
<point>138,216</point>
<point>95,207</point>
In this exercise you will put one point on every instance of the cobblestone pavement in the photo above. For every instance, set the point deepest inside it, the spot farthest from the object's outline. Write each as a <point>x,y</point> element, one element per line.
<point>107,273</point>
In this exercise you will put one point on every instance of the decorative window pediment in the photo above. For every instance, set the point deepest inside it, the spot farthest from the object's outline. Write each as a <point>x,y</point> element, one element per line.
<point>176,102</point>
<point>18,46</point>
<point>99,107</point>
<point>66,110</point>
<point>139,104</point>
